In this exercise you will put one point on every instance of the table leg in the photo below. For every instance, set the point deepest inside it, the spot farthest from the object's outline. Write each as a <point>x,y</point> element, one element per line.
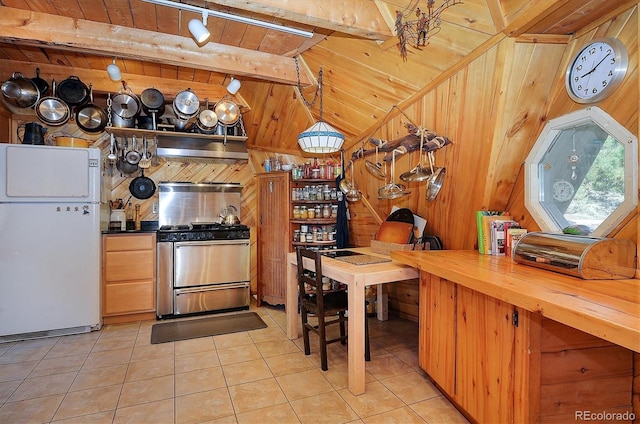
<point>356,337</point>
<point>291,301</point>
<point>382,302</point>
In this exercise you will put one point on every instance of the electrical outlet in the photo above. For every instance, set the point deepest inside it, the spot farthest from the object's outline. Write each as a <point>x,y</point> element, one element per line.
<point>154,207</point>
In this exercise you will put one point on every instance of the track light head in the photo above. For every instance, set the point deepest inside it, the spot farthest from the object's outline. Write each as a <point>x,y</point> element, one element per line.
<point>114,71</point>
<point>199,30</point>
<point>233,86</point>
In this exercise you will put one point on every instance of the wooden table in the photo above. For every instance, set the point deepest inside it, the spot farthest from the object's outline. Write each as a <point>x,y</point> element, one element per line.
<point>357,278</point>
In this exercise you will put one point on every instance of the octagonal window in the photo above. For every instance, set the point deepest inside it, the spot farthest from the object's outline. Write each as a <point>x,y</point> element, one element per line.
<point>582,170</point>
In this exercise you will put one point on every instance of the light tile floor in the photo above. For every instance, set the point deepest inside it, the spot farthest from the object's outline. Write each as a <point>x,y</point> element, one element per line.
<point>116,376</point>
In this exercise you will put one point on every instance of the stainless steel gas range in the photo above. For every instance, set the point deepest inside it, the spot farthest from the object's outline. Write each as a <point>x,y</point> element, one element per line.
<point>203,265</point>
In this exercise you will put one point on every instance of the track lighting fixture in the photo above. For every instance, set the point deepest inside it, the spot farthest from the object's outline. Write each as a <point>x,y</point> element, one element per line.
<point>199,30</point>
<point>114,71</point>
<point>235,18</point>
<point>233,86</point>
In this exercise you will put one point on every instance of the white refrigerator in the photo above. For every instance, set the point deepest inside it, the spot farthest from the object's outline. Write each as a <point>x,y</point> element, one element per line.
<point>49,241</point>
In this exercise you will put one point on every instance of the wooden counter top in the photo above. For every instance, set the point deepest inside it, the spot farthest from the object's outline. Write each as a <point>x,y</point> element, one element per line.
<point>609,309</point>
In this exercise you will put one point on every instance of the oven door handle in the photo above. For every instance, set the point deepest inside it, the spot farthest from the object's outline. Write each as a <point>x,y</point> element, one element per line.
<point>212,243</point>
<point>224,286</point>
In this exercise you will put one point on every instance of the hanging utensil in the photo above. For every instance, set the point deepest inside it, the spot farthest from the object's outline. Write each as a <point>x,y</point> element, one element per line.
<point>145,161</point>
<point>376,168</point>
<point>435,181</point>
<point>392,190</point>
<point>132,156</point>
<point>418,173</point>
<point>112,149</point>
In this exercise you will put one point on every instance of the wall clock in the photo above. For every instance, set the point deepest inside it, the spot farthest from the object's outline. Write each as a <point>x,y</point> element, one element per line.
<point>596,70</point>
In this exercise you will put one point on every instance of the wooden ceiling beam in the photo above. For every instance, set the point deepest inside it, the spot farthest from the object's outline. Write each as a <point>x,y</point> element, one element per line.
<point>39,29</point>
<point>358,18</point>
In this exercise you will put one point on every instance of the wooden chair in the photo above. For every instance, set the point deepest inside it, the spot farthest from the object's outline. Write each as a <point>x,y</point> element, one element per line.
<point>329,307</point>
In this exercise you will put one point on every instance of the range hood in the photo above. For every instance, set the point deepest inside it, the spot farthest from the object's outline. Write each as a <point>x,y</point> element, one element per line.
<point>203,148</point>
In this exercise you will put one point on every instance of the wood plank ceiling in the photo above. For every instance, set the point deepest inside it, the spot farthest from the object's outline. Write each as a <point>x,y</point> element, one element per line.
<point>364,74</point>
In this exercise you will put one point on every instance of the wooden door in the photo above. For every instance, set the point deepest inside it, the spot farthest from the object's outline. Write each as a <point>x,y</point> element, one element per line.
<point>437,344</point>
<point>273,236</point>
<point>484,357</point>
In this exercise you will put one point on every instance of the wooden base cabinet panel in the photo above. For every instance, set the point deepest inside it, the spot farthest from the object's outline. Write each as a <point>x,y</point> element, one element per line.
<point>484,361</point>
<point>128,277</point>
<point>499,363</point>
<point>437,340</point>
<point>273,236</point>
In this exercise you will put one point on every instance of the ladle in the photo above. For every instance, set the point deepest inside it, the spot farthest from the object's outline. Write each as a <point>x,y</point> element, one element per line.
<point>348,187</point>
<point>376,168</point>
<point>393,190</point>
<point>112,154</point>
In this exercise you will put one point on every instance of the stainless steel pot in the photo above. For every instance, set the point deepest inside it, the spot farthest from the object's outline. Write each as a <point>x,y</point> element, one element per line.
<point>20,91</point>
<point>125,105</point>
<point>119,122</point>
<point>186,104</point>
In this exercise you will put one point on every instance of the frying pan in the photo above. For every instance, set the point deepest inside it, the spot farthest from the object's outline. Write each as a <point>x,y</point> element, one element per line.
<point>152,101</point>
<point>90,117</point>
<point>142,187</point>
<point>73,91</point>
<point>43,85</point>
<point>52,110</point>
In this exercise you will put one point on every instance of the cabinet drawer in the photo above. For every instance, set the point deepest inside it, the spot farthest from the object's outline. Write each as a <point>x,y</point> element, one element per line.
<point>123,266</point>
<point>129,297</point>
<point>122,242</point>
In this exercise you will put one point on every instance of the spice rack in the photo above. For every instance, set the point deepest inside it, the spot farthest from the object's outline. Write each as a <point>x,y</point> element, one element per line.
<point>317,227</point>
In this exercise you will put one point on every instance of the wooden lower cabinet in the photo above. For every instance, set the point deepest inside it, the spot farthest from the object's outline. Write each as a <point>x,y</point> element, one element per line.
<point>128,277</point>
<point>499,363</point>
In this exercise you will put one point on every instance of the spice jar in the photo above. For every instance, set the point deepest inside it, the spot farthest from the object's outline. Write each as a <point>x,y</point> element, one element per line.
<point>334,211</point>
<point>296,212</point>
<point>318,211</point>
<point>326,211</point>
<point>311,213</point>
<point>304,214</point>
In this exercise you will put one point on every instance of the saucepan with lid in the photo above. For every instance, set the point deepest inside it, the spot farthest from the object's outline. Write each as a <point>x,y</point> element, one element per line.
<point>186,105</point>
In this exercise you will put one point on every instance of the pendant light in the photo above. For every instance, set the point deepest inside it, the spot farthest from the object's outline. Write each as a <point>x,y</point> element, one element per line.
<point>320,137</point>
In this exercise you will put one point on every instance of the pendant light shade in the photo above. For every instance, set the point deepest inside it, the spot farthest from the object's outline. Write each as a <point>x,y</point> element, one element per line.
<point>320,138</point>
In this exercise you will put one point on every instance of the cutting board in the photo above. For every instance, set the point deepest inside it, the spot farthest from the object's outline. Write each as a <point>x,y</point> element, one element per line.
<point>395,232</point>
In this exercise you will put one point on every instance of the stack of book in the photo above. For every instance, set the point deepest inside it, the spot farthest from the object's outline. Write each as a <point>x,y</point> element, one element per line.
<point>497,232</point>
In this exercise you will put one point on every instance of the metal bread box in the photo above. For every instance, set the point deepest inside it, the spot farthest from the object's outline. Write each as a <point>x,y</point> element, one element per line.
<point>590,258</point>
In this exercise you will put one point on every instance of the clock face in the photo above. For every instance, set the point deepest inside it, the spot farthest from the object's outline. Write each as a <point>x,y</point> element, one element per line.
<point>596,70</point>
<point>562,191</point>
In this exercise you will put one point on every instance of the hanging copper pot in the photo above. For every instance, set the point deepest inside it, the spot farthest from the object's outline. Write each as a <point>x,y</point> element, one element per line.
<point>228,112</point>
